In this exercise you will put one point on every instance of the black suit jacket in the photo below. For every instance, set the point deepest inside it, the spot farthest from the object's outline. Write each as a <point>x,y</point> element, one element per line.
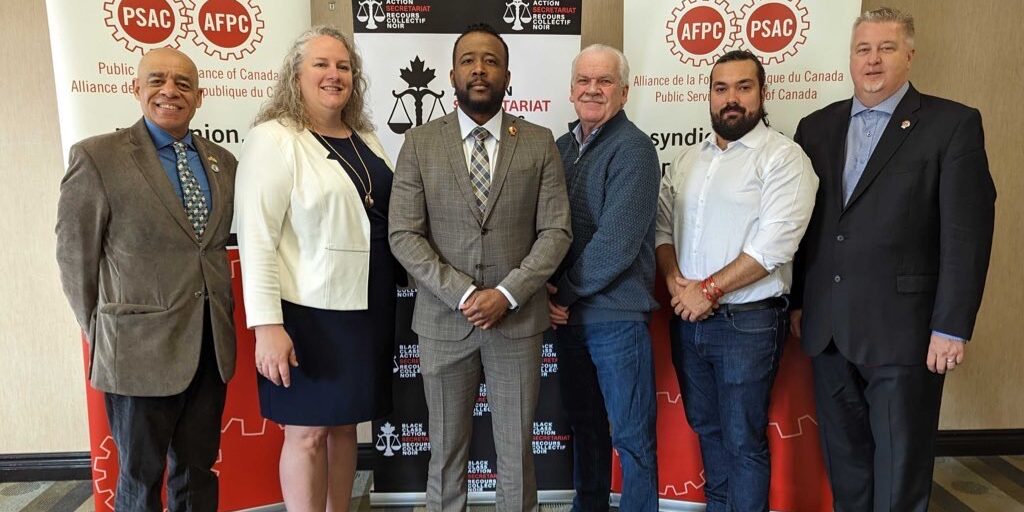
<point>909,252</point>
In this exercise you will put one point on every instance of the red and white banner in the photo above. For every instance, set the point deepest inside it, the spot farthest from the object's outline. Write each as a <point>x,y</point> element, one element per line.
<point>249,445</point>
<point>238,46</point>
<point>671,46</point>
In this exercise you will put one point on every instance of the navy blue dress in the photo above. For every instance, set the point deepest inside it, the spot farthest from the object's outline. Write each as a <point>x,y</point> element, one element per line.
<point>345,357</point>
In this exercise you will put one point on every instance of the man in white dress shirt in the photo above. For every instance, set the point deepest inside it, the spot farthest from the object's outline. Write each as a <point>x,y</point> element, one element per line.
<point>732,211</point>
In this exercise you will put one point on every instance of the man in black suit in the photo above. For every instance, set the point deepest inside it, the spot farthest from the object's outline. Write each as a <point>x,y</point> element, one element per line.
<point>891,271</point>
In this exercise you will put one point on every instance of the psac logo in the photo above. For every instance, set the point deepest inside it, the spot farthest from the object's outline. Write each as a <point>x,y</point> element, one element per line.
<point>225,29</point>
<point>700,31</point>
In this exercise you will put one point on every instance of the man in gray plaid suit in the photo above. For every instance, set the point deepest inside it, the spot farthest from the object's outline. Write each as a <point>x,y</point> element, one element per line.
<point>480,219</point>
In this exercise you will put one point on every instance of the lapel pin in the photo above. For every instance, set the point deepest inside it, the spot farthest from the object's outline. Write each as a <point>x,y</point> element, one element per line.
<point>213,163</point>
<point>512,130</point>
<point>905,124</point>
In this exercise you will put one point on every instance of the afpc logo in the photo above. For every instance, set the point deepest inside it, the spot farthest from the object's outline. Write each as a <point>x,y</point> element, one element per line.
<point>225,29</point>
<point>701,31</point>
<point>228,29</point>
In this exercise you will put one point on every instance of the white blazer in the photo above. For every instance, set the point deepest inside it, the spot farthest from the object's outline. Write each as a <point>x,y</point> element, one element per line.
<point>303,232</point>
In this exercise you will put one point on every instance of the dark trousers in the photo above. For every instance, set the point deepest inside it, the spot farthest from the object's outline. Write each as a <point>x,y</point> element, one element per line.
<point>182,429</point>
<point>878,426</point>
<point>726,366</point>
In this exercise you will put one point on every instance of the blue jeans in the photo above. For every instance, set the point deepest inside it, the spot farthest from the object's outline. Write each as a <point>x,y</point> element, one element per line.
<point>606,371</point>
<point>726,365</point>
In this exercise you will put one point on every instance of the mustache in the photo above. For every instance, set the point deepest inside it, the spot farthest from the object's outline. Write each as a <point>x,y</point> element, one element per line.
<point>732,108</point>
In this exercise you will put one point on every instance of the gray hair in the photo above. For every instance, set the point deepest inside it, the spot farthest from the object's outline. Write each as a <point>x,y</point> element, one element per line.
<point>622,67</point>
<point>286,102</point>
<point>889,15</point>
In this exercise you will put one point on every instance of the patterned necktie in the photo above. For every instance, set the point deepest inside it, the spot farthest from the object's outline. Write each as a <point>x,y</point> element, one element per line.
<point>480,167</point>
<point>192,195</point>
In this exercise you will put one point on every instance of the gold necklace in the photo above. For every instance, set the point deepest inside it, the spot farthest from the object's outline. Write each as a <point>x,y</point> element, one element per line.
<point>368,197</point>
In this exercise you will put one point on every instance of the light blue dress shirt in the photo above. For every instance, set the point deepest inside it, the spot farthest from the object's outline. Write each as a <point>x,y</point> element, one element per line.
<point>866,127</point>
<point>163,140</point>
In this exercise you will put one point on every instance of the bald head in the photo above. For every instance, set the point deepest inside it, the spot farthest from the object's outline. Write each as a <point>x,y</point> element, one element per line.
<point>167,87</point>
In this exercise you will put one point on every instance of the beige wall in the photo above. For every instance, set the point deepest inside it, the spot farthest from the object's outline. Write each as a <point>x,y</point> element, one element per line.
<point>42,394</point>
<point>969,52</point>
<point>965,55</point>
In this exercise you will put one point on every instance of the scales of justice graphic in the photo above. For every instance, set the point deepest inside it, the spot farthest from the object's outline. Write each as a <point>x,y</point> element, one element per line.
<point>371,13</point>
<point>387,441</point>
<point>418,78</point>
<point>517,12</point>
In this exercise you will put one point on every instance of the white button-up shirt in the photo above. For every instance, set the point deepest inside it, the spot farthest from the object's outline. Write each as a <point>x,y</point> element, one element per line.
<point>755,197</point>
<point>493,126</point>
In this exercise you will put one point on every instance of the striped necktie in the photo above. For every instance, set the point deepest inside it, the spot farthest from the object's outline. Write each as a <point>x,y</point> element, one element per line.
<point>191,195</point>
<point>480,167</point>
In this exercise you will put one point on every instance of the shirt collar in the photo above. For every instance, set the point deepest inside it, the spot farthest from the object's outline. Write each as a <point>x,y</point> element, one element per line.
<point>887,106</point>
<point>493,125</point>
<point>754,138</point>
<point>163,139</point>
<point>577,133</point>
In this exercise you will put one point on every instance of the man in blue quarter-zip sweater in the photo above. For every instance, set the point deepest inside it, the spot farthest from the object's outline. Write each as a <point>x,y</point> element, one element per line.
<point>603,293</point>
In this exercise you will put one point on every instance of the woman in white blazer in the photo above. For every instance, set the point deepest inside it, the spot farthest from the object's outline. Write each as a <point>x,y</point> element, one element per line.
<point>311,199</point>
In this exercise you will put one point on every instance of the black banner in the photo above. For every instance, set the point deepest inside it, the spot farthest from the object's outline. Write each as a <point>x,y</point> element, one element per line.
<point>558,17</point>
<point>402,440</point>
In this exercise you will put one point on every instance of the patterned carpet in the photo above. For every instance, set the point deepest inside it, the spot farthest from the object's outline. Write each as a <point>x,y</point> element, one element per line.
<point>962,484</point>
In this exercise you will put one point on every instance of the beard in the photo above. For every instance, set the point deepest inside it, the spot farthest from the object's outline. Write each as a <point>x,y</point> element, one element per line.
<point>491,104</point>
<point>735,129</point>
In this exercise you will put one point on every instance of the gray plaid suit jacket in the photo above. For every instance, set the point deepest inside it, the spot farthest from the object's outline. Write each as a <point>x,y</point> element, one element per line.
<point>446,245</point>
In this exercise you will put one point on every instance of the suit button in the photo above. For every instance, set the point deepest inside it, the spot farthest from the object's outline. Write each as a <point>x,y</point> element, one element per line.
<point>840,238</point>
<point>198,295</point>
<point>837,278</point>
<point>484,231</point>
<point>202,252</point>
<point>479,266</point>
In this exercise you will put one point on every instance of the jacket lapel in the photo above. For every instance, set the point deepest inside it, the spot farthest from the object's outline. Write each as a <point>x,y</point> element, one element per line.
<point>452,137</point>
<point>892,138</point>
<point>146,160</point>
<point>506,149</point>
<point>217,187</point>
<point>839,133</point>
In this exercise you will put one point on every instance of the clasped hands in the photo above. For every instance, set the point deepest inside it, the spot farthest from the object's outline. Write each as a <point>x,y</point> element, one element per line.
<point>688,300</point>
<point>558,314</point>
<point>485,307</point>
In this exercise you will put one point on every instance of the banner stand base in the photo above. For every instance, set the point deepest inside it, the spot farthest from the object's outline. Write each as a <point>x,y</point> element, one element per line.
<point>663,504</point>
<point>412,499</point>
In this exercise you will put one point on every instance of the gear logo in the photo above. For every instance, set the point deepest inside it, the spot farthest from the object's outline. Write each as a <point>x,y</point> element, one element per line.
<point>775,29</point>
<point>141,25</point>
<point>701,30</point>
<point>227,29</point>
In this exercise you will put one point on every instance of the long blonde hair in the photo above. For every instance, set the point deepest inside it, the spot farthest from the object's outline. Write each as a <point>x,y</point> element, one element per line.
<point>286,105</point>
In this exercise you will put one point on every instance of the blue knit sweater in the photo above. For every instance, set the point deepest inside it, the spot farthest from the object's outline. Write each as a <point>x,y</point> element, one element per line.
<point>608,274</point>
